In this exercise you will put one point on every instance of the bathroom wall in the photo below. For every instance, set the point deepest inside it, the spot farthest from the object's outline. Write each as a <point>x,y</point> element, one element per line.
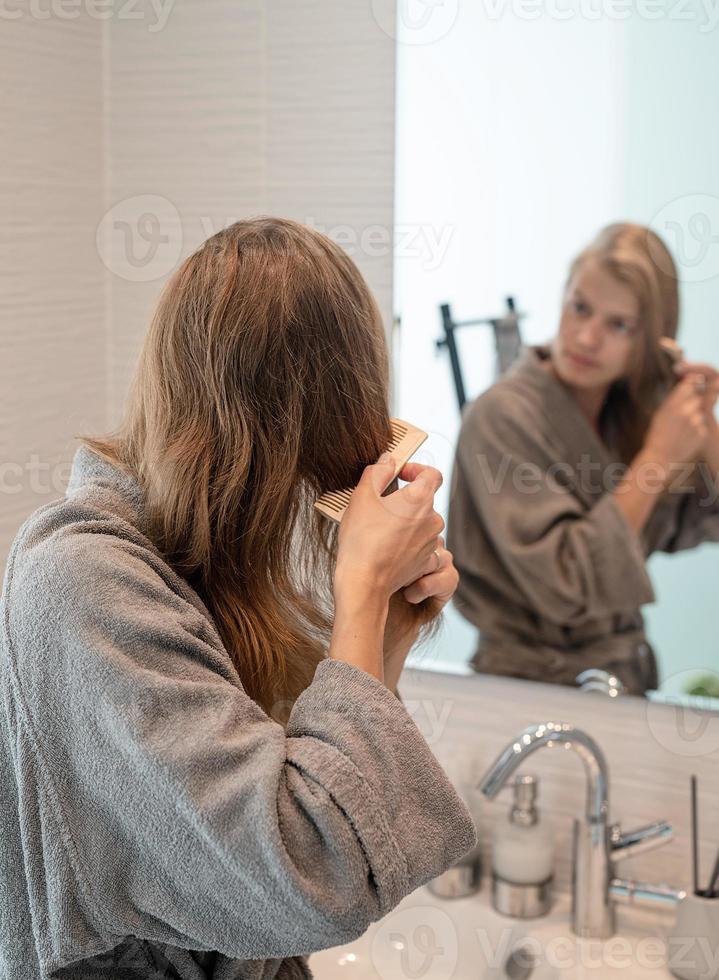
<point>129,141</point>
<point>52,304</point>
<point>651,750</point>
<point>672,166</point>
<point>239,109</point>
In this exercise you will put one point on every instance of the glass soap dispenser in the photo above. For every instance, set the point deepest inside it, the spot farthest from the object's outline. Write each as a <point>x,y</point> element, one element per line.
<point>523,856</point>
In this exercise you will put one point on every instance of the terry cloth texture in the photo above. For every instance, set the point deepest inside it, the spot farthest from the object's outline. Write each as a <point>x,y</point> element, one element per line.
<point>155,821</point>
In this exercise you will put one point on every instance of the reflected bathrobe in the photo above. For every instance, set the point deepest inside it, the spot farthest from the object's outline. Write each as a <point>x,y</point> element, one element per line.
<point>155,821</point>
<point>551,572</point>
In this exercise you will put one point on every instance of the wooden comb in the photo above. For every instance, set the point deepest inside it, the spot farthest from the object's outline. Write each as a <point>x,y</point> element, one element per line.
<point>406,440</point>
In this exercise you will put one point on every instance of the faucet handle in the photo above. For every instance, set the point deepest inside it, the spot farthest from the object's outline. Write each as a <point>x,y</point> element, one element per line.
<point>640,840</point>
<point>594,679</point>
<point>628,892</point>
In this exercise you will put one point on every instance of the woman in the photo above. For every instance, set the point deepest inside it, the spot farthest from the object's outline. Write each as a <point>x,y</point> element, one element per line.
<point>583,459</point>
<point>206,769</point>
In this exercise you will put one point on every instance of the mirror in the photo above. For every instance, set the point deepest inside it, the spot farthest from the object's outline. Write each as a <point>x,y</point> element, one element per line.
<point>523,129</point>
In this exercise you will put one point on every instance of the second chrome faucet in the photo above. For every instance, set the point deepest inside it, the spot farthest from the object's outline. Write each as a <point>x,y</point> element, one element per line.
<point>596,843</point>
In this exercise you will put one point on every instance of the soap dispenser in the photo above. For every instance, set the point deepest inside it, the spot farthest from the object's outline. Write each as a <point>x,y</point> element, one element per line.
<point>523,856</point>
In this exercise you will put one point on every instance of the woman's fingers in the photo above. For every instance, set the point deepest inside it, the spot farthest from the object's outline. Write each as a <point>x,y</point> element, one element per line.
<point>439,581</point>
<point>687,394</point>
<point>698,371</point>
<point>440,585</point>
<point>703,386</point>
<point>699,367</point>
<point>411,472</point>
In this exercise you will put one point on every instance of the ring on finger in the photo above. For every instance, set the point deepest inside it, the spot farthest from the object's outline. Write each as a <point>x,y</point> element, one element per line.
<point>439,560</point>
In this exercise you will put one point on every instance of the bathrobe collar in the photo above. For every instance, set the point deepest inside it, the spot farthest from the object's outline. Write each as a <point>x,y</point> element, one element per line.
<point>95,476</point>
<point>565,417</point>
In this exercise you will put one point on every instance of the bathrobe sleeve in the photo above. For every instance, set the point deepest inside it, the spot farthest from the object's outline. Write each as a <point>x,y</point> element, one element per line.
<point>515,521</point>
<point>178,811</point>
<point>696,514</point>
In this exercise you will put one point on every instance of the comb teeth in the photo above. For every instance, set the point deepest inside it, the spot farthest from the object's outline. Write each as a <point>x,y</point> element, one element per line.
<point>406,440</point>
<point>399,430</point>
<point>337,500</point>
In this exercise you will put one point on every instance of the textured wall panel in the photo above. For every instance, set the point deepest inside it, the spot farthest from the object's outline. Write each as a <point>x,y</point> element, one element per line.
<point>241,109</point>
<point>153,134</point>
<point>52,309</point>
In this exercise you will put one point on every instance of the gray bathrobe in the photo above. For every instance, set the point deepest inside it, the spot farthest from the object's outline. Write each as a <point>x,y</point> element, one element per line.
<point>155,821</point>
<point>551,572</point>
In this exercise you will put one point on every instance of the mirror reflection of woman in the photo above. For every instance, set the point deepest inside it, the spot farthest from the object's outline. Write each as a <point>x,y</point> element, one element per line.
<point>588,455</point>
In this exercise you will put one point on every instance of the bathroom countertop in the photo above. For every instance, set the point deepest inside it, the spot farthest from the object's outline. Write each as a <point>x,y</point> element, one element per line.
<point>459,939</point>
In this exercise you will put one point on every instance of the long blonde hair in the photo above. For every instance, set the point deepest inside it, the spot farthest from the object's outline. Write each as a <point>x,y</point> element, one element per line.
<point>637,257</point>
<point>261,383</point>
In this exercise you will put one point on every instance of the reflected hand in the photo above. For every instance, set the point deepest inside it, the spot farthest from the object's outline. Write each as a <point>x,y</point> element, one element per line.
<point>710,375</point>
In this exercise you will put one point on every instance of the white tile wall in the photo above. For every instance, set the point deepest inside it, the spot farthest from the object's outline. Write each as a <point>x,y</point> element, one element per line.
<point>52,311</point>
<point>239,109</point>
<point>230,109</point>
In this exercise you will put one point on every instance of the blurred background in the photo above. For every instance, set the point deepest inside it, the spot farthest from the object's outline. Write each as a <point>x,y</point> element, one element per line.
<point>523,128</point>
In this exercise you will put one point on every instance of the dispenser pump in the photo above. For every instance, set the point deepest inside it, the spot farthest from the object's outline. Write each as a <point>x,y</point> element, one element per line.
<point>524,812</point>
<point>523,855</point>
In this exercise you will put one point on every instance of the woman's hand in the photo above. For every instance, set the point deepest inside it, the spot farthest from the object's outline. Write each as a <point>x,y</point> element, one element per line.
<point>710,376</point>
<point>679,427</point>
<point>439,581</point>
<point>435,588</point>
<point>698,372</point>
<point>385,543</point>
<point>410,608</point>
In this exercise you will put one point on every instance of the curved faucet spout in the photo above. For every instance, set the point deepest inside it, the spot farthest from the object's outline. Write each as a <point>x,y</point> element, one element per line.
<point>550,734</point>
<point>594,842</point>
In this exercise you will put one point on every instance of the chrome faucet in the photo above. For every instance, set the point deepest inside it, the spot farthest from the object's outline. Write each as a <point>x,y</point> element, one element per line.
<point>593,679</point>
<point>596,842</point>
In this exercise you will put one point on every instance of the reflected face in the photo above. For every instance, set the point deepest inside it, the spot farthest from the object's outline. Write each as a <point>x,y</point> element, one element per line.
<point>597,331</point>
